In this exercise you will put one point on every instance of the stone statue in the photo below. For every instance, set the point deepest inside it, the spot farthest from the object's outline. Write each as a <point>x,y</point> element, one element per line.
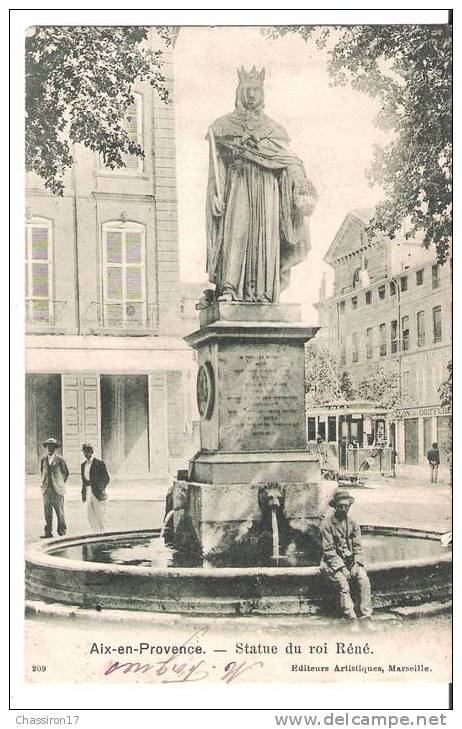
<point>257,197</point>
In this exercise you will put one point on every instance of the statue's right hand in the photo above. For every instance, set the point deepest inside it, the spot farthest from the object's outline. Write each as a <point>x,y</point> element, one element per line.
<point>217,206</point>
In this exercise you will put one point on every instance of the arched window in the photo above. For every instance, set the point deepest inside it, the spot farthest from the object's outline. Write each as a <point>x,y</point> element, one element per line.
<point>124,274</point>
<point>356,279</point>
<point>39,270</point>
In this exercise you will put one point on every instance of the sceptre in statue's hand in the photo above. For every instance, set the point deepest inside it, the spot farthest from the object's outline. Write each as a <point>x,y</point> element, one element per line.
<point>257,197</point>
<point>217,200</point>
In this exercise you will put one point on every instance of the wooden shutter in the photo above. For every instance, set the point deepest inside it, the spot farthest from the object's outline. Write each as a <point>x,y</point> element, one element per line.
<point>81,417</point>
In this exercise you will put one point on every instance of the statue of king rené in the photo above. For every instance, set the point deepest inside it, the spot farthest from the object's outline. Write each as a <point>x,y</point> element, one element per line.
<point>257,198</point>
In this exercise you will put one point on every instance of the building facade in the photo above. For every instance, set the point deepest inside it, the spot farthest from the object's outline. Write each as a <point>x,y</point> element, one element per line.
<point>105,358</point>
<point>391,308</point>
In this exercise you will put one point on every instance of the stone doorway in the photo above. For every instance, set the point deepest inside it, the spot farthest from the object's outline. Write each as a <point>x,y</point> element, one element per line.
<point>43,416</point>
<point>125,423</point>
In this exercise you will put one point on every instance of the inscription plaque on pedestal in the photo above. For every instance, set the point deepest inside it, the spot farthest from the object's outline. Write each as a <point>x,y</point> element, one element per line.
<point>261,397</point>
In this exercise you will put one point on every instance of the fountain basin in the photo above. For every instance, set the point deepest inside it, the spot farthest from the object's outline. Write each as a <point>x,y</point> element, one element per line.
<point>65,570</point>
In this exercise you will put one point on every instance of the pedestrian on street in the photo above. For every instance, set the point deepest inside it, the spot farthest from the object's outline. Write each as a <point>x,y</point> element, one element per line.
<point>433,457</point>
<point>343,559</point>
<point>54,474</point>
<point>95,478</point>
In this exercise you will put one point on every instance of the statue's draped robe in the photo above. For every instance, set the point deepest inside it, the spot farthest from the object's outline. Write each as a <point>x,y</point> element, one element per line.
<point>261,235</point>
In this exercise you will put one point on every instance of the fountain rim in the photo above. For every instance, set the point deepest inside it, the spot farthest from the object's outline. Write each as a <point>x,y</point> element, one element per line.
<point>41,554</point>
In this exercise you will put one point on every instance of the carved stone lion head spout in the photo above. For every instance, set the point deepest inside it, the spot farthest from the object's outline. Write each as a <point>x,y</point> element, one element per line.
<point>270,496</point>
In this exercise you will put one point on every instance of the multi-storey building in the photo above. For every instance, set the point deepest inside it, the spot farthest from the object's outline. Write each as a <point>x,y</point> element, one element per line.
<point>391,307</point>
<point>105,358</point>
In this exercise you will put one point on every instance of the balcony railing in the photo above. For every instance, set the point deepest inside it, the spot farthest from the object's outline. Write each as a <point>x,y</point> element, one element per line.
<point>131,318</point>
<point>44,316</point>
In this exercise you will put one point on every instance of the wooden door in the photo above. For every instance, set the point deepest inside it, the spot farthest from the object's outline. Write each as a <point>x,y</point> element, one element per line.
<point>81,417</point>
<point>427,423</point>
<point>158,425</point>
<point>411,441</point>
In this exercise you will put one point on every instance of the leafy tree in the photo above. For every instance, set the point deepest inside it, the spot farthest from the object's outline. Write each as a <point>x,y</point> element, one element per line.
<point>79,84</point>
<point>380,386</point>
<point>348,391</point>
<point>408,68</point>
<point>445,393</point>
<point>325,378</point>
<point>445,389</point>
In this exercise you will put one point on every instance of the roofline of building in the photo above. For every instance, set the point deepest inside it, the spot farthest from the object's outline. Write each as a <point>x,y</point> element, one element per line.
<point>380,281</point>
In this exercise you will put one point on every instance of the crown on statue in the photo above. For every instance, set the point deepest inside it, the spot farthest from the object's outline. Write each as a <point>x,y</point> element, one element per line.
<point>253,75</point>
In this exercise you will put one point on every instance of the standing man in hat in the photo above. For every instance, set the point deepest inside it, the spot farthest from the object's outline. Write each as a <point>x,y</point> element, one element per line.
<point>433,458</point>
<point>95,478</point>
<point>54,474</point>
<point>343,558</point>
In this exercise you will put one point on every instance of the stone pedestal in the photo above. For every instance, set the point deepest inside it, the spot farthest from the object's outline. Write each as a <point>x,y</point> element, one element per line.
<point>253,457</point>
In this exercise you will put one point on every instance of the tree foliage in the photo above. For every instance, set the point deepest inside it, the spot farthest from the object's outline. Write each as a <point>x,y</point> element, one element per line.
<point>79,83</point>
<point>381,387</point>
<point>408,68</point>
<point>445,389</point>
<point>325,378</point>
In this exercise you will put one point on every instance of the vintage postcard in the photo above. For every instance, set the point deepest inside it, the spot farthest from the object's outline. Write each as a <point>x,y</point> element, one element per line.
<point>238,354</point>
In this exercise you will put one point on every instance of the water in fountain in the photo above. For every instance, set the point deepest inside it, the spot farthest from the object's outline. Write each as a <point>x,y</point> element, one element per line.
<point>275,528</point>
<point>168,516</point>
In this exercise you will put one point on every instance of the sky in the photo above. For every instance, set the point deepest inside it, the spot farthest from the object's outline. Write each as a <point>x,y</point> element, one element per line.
<point>331,129</point>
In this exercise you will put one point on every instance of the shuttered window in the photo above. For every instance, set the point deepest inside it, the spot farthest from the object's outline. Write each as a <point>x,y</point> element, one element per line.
<point>354,347</point>
<point>437,329</point>
<point>405,333</point>
<point>124,278</point>
<point>39,270</point>
<point>420,328</point>
<point>383,340</point>
<point>369,343</point>
<point>394,336</point>
<point>134,127</point>
<point>133,123</point>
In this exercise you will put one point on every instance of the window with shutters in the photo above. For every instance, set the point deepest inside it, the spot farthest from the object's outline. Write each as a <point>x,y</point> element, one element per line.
<point>133,123</point>
<point>369,343</point>
<point>394,336</point>
<point>437,330</point>
<point>124,275</point>
<point>354,347</point>
<point>39,270</point>
<point>435,276</point>
<point>383,340</point>
<point>420,328</point>
<point>405,333</point>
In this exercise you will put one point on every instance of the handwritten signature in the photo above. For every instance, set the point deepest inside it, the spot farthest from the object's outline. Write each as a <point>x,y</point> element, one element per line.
<point>175,670</point>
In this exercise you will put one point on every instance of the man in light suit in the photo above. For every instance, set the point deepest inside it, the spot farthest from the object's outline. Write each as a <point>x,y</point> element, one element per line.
<point>54,474</point>
<point>95,478</point>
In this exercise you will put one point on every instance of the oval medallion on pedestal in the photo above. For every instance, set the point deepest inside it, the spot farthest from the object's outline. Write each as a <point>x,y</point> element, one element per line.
<point>205,390</point>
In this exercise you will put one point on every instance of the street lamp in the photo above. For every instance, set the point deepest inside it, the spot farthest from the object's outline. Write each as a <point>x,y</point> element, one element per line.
<point>398,314</point>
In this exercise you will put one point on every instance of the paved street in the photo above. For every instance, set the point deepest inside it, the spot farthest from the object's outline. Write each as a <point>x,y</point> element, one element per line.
<point>388,502</point>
